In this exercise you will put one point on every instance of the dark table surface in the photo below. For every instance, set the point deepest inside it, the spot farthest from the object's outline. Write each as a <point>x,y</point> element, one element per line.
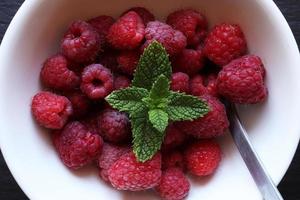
<point>289,186</point>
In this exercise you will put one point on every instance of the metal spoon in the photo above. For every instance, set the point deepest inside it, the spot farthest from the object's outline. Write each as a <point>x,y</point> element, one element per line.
<point>262,179</point>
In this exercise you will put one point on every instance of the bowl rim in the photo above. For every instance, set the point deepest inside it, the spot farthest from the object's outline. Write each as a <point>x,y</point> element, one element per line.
<point>30,5</point>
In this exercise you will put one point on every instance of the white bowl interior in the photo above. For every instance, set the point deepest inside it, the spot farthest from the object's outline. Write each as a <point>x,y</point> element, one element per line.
<point>35,34</point>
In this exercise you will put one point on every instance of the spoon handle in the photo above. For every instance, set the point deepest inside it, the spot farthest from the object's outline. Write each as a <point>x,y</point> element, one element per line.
<point>262,179</point>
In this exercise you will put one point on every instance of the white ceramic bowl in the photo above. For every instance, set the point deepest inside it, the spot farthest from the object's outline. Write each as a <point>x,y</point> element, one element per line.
<point>35,33</point>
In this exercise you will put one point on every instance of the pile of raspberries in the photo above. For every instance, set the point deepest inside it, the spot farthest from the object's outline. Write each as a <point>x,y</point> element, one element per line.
<point>100,55</point>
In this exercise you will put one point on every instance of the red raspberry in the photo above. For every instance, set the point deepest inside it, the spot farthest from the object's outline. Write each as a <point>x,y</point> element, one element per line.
<point>189,61</point>
<point>203,157</point>
<point>225,43</point>
<point>144,13</point>
<point>51,110</point>
<point>129,174</point>
<point>80,103</point>
<point>97,81</point>
<point>109,60</point>
<point>174,41</point>
<point>191,23</point>
<point>212,85</point>
<point>173,159</point>
<point>242,81</point>
<point>102,25</point>
<point>110,154</point>
<point>173,185</point>
<point>81,42</point>
<point>76,146</point>
<point>211,125</point>
<point>121,82</point>
<point>56,74</point>
<point>174,138</point>
<point>128,61</point>
<point>128,32</point>
<point>197,87</point>
<point>180,82</point>
<point>114,125</point>
<point>91,123</point>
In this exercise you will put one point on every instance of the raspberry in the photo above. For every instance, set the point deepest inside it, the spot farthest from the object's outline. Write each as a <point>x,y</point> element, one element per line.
<point>114,125</point>
<point>129,174</point>
<point>109,60</point>
<point>189,61</point>
<point>180,82</point>
<point>212,124</point>
<point>191,23</point>
<point>110,154</point>
<point>145,14</point>
<point>91,123</point>
<point>174,41</point>
<point>128,32</point>
<point>203,157</point>
<point>174,138</point>
<point>97,81</point>
<point>128,61</point>
<point>102,25</point>
<point>173,185</point>
<point>225,43</point>
<point>56,74</point>
<point>81,42</point>
<point>76,146</point>
<point>51,110</point>
<point>80,103</point>
<point>212,85</point>
<point>242,81</point>
<point>173,159</point>
<point>121,82</point>
<point>197,87</point>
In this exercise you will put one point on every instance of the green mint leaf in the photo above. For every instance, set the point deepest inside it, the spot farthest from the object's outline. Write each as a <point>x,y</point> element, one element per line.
<point>146,139</point>
<point>128,99</point>
<point>159,119</point>
<point>185,107</point>
<point>160,88</point>
<point>153,63</point>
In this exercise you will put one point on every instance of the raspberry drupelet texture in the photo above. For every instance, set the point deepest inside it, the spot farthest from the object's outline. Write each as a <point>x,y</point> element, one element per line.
<point>197,87</point>
<point>213,124</point>
<point>56,74</point>
<point>224,43</point>
<point>77,147</point>
<point>128,61</point>
<point>110,154</point>
<point>102,25</point>
<point>173,185</point>
<point>50,110</point>
<point>114,126</point>
<point>212,85</point>
<point>144,13</point>
<point>203,157</point>
<point>189,61</point>
<point>174,41</point>
<point>91,123</point>
<point>80,103</point>
<point>180,82</point>
<point>121,82</point>
<point>127,33</point>
<point>174,138</point>
<point>129,174</point>
<point>191,23</point>
<point>173,159</point>
<point>96,81</point>
<point>242,81</point>
<point>81,42</point>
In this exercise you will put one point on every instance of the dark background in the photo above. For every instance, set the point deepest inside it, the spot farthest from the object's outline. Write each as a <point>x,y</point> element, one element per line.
<point>289,186</point>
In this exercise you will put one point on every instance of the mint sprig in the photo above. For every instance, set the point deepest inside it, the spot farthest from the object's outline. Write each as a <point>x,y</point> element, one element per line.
<point>150,103</point>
